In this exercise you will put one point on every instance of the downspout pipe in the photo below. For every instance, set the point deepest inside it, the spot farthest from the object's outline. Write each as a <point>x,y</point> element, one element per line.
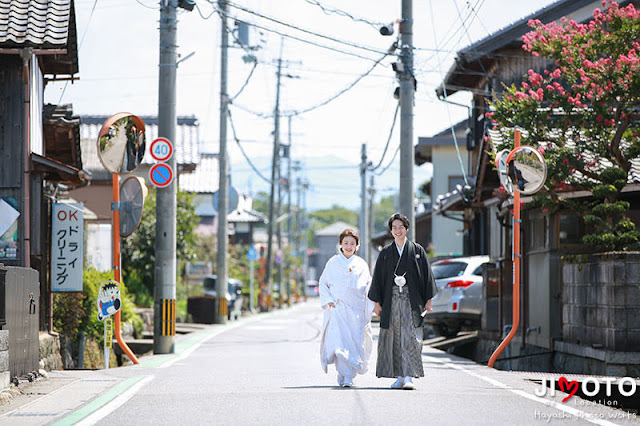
<point>25,55</point>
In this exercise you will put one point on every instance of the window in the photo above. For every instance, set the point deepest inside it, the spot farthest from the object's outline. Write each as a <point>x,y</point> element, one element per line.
<point>448,269</point>
<point>570,229</point>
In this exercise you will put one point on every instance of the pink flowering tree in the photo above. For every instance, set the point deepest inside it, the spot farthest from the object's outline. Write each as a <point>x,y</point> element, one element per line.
<point>583,114</point>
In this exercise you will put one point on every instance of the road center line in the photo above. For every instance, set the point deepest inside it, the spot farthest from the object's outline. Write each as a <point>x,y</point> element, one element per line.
<point>573,411</point>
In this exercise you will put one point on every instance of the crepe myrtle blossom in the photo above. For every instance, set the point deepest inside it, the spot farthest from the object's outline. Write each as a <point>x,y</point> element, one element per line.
<point>585,105</point>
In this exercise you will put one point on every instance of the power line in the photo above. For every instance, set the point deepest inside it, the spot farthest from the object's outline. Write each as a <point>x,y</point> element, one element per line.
<point>326,37</point>
<point>246,82</point>
<point>309,41</point>
<point>390,162</point>
<point>453,133</point>
<point>349,87</point>
<point>235,136</point>
<point>339,12</point>
<point>86,30</point>
<point>393,125</point>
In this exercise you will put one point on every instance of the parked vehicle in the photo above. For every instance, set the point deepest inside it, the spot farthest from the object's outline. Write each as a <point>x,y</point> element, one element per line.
<point>458,302</point>
<point>312,288</point>
<point>234,294</point>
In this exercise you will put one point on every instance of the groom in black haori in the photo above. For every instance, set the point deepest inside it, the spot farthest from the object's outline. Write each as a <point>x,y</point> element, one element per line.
<point>402,288</point>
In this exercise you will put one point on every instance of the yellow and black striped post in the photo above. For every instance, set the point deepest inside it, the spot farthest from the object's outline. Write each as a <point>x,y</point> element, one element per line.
<point>168,317</point>
<point>224,309</point>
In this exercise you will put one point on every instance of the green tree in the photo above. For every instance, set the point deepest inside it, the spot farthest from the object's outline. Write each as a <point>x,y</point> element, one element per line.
<point>336,213</point>
<point>382,212</point>
<point>583,114</point>
<point>261,203</point>
<point>138,250</point>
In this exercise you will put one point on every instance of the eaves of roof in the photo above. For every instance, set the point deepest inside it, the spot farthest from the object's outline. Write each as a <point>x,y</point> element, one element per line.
<point>48,27</point>
<point>509,37</point>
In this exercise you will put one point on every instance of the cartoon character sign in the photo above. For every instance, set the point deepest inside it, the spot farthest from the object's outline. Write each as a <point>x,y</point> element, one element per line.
<point>108,299</point>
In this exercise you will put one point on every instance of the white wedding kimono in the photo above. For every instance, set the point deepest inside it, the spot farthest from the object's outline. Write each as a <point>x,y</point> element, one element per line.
<point>346,333</point>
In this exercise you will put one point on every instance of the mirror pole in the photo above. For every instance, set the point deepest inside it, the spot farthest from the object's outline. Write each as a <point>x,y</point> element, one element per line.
<point>116,267</point>
<point>516,269</point>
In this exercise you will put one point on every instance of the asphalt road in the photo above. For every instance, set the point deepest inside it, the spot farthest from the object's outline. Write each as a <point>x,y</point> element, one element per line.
<point>265,369</point>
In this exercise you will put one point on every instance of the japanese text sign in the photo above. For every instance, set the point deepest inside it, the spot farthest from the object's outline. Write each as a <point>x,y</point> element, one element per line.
<point>66,247</point>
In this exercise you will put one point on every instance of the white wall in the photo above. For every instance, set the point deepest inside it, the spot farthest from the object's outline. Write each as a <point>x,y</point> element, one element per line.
<point>99,250</point>
<point>446,233</point>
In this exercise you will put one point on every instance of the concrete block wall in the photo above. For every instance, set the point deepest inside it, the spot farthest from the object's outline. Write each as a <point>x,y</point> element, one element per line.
<point>5,375</point>
<point>601,302</point>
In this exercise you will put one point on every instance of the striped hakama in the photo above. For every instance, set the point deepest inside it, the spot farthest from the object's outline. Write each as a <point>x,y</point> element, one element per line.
<point>400,346</point>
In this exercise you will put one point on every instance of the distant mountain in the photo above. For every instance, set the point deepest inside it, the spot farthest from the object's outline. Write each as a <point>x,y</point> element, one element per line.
<point>332,180</point>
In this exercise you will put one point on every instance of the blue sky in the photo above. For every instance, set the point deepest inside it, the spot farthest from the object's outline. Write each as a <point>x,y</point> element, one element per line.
<point>119,72</point>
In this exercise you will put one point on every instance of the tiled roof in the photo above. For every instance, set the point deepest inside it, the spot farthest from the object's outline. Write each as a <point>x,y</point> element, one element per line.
<point>243,213</point>
<point>185,146</point>
<point>335,229</point>
<point>42,25</point>
<point>205,178</point>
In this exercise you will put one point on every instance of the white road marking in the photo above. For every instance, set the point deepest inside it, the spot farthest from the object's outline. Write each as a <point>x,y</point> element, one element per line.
<point>573,411</point>
<point>117,402</point>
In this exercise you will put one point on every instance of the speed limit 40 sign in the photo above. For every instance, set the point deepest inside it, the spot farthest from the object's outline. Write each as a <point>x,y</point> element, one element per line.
<point>161,149</point>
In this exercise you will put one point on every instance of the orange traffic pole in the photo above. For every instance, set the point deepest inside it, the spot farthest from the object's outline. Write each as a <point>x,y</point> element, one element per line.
<point>516,269</point>
<point>116,266</point>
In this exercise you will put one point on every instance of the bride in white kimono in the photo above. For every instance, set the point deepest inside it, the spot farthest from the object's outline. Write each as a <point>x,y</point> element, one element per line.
<point>346,333</point>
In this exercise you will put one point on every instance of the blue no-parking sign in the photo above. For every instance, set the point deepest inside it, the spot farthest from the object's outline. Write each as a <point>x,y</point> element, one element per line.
<point>252,254</point>
<point>161,175</point>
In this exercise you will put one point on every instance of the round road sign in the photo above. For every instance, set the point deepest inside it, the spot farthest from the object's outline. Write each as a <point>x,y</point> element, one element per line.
<point>161,175</point>
<point>161,149</point>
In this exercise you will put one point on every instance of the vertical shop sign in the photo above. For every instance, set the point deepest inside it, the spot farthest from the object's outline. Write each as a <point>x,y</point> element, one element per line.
<point>66,247</point>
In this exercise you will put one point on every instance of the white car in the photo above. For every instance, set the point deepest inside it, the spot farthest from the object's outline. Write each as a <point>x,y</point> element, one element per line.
<point>458,302</point>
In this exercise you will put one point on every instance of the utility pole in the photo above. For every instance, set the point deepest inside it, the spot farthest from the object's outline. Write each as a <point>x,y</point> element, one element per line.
<point>364,219</point>
<point>406,117</point>
<point>275,167</point>
<point>223,186</point>
<point>289,217</point>
<point>165,266</point>
<point>372,193</point>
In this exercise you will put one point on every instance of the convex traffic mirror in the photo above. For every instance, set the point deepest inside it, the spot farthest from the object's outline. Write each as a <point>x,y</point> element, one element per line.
<point>526,170</point>
<point>121,143</point>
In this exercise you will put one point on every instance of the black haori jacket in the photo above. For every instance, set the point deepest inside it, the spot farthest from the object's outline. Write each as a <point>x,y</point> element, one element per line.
<point>420,281</point>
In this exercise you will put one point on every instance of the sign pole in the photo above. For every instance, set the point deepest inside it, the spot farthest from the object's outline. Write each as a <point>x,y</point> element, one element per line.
<point>251,285</point>
<point>106,346</point>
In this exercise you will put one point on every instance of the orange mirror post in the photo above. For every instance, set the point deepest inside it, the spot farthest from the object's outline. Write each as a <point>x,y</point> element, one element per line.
<point>116,267</point>
<point>516,270</point>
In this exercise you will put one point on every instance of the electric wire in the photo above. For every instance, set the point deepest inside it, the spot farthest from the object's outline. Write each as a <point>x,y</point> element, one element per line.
<point>326,37</point>
<point>148,7</point>
<point>393,125</point>
<point>323,103</point>
<point>451,126</point>
<point>246,157</point>
<point>86,30</point>
<point>246,82</point>
<point>302,40</point>
<point>339,12</point>
<point>466,31</point>
<point>390,162</point>
<point>341,92</point>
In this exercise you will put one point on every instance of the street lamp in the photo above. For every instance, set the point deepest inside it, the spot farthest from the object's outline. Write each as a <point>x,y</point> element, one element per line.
<point>521,170</point>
